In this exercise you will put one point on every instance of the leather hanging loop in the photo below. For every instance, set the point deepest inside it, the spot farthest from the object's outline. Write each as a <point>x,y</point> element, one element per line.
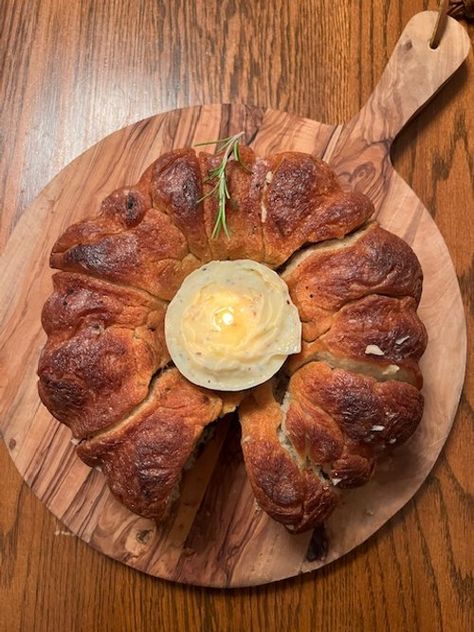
<point>458,9</point>
<point>440,24</point>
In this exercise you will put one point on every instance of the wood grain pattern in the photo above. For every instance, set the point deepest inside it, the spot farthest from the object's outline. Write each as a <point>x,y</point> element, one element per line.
<point>408,540</point>
<point>217,537</point>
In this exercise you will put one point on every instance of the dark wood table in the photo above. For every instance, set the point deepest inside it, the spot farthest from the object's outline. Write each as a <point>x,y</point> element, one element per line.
<point>72,72</point>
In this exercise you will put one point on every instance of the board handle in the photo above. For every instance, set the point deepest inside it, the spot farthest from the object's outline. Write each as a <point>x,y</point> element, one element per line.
<point>414,73</point>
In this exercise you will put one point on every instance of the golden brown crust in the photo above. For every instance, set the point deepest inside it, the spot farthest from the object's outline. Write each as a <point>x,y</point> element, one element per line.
<point>245,183</point>
<point>177,189</point>
<point>369,262</point>
<point>345,419</point>
<point>303,203</point>
<point>152,255</point>
<point>105,342</point>
<point>79,300</point>
<point>287,490</point>
<point>336,424</point>
<point>123,209</point>
<point>143,457</point>
<point>381,335</point>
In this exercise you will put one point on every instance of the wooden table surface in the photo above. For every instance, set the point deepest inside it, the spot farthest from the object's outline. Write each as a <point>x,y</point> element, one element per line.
<point>72,72</point>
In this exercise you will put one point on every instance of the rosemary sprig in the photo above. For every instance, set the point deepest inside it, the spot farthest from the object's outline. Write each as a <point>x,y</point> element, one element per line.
<point>229,147</point>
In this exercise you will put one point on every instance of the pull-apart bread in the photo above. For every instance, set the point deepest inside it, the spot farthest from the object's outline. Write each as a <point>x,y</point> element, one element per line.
<point>315,428</point>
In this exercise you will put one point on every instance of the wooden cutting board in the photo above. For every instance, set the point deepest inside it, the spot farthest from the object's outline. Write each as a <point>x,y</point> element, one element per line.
<point>217,537</point>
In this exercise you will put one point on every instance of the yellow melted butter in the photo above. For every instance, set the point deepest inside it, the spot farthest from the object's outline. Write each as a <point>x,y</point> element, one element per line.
<point>226,317</point>
<point>231,325</point>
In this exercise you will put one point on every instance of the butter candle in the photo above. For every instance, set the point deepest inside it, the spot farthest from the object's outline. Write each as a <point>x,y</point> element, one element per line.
<point>232,325</point>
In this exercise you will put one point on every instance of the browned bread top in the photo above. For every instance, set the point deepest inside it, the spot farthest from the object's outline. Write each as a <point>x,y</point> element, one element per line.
<point>151,255</point>
<point>296,496</point>
<point>245,184</point>
<point>303,203</point>
<point>325,277</point>
<point>353,390</point>
<point>143,456</point>
<point>80,300</point>
<point>104,344</point>
<point>366,411</point>
<point>276,206</point>
<point>376,335</point>
<point>324,438</point>
<point>177,189</point>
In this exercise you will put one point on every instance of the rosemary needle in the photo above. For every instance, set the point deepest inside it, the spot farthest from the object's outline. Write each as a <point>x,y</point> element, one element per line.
<point>229,147</point>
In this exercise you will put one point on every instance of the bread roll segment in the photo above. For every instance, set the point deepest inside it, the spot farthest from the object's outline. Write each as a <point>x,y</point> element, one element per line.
<point>380,335</point>
<point>152,255</point>
<point>354,387</point>
<point>105,342</point>
<point>245,181</point>
<point>325,277</point>
<point>285,487</point>
<point>177,189</point>
<point>143,456</point>
<point>325,437</point>
<point>305,204</point>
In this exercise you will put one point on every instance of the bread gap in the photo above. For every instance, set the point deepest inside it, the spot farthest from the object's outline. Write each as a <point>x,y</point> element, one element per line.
<point>307,249</point>
<point>205,437</point>
<point>89,274</point>
<point>321,471</point>
<point>390,372</point>
<point>110,429</point>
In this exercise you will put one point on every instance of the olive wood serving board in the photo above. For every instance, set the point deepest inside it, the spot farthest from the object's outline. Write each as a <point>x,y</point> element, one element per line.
<point>217,536</point>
